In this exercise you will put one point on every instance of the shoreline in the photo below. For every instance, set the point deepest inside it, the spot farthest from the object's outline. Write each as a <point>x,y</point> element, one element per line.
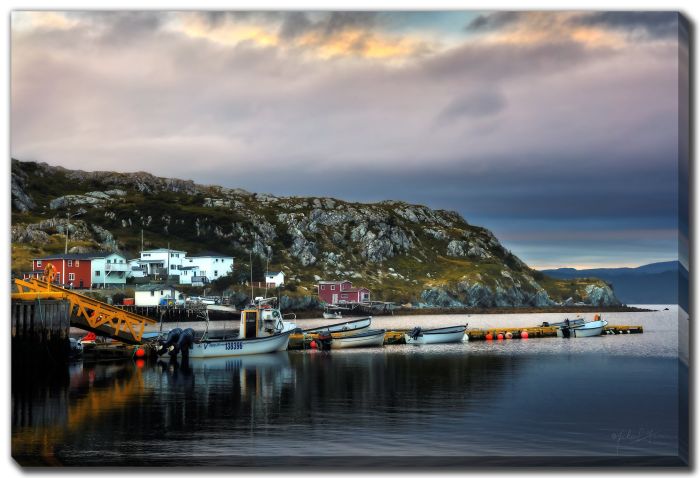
<point>317,314</point>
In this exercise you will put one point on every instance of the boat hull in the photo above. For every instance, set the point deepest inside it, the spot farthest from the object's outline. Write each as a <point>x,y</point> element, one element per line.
<point>446,335</point>
<point>234,348</point>
<point>366,339</point>
<point>344,329</point>
<point>590,329</point>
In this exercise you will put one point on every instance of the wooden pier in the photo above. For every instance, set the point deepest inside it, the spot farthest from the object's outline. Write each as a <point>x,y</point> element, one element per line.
<point>391,337</point>
<point>40,329</point>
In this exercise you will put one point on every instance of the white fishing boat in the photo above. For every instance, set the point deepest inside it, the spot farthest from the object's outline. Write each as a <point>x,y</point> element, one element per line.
<point>586,329</point>
<point>343,329</point>
<point>262,330</point>
<point>370,338</point>
<point>444,335</point>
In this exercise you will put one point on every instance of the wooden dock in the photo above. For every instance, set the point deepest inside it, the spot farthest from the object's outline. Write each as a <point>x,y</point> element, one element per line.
<point>303,341</point>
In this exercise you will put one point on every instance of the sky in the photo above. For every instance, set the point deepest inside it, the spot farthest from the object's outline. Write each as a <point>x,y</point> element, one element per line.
<point>556,130</point>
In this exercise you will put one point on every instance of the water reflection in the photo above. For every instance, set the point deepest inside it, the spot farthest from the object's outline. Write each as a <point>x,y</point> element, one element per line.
<point>388,402</point>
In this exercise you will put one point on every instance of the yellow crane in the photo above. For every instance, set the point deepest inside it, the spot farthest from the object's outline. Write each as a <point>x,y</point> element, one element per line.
<point>85,312</point>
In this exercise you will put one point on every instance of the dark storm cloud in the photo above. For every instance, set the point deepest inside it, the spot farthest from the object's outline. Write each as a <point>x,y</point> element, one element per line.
<point>656,24</point>
<point>493,21</point>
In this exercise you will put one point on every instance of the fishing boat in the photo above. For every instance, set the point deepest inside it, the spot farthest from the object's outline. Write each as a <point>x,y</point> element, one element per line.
<point>262,330</point>
<point>343,329</point>
<point>444,335</point>
<point>333,312</point>
<point>585,329</point>
<point>370,338</point>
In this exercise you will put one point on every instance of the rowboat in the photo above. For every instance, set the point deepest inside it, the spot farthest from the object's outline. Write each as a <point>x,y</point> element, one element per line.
<point>444,335</point>
<point>342,329</point>
<point>370,338</point>
<point>587,329</point>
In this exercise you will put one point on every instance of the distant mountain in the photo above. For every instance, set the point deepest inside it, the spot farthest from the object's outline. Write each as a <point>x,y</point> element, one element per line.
<point>655,283</point>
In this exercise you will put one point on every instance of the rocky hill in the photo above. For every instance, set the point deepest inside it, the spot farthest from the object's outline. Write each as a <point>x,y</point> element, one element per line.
<point>403,252</point>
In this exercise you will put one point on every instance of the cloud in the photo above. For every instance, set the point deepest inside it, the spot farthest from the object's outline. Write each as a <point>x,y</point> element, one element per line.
<point>503,126</point>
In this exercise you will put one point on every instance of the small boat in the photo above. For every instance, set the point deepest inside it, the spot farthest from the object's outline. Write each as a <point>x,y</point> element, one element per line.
<point>444,335</point>
<point>585,329</point>
<point>370,338</point>
<point>262,330</point>
<point>342,329</point>
<point>332,315</point>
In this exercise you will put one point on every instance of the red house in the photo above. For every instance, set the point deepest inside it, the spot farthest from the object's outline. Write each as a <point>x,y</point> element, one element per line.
<point>82,271</point>
<point>338,292</point>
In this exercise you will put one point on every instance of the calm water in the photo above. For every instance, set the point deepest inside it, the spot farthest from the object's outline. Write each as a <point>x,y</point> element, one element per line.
<point>618,399</point>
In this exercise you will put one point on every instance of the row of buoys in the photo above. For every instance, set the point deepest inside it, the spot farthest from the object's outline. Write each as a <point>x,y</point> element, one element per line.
<point>507,335</point>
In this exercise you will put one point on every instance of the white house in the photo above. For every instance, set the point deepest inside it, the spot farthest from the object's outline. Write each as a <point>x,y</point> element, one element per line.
<point>188,274</point>
<point>274,279</point>
<point>150,295</point>
<point>211,264</point>
<point>162,262</point>
<point>108,269</point>
<point>135,269</point>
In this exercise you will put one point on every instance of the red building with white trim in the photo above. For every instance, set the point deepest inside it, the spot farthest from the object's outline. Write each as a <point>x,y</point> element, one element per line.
<point>76,271</point>
<point>338,292</point>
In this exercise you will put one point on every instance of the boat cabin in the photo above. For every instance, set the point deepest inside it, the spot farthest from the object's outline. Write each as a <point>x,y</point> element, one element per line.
<point>260,321</point>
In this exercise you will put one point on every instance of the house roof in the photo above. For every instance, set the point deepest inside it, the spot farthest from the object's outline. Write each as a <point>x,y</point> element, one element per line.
<point>210,254</point>
<point>333,281</point>
<point>274,273</point>
<point>79,256</point>
<point>150,287</point>
<point>356,289</point>
<point>162,249</point>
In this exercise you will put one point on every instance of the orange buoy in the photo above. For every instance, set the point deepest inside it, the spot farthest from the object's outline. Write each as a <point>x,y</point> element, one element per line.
<point>524,334</point>
<point>140,363</point>
<point>313,344</point>
<point>509,335</point>
<point>489,336</point>
<point>140,352</point>
<point>500,336</point>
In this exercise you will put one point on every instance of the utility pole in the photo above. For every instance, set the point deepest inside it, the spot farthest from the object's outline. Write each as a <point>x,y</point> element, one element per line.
<point>67,224</point>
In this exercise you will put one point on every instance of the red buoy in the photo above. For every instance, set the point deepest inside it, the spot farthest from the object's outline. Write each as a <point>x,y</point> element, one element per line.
<point>489,336</point>
<point>140,352</point>
<point>140,363</point>
<point>500,336</point>
<point>313,344</point>
<point>524,334</point>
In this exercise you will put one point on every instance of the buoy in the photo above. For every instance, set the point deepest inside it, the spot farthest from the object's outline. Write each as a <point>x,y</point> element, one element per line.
<point>140,363</point>
<point>489,336</point>
<point>509,335</point>
<point>140,352</point>
<point>524,334</point>
<point>500,336</point>
<point>313,344</point>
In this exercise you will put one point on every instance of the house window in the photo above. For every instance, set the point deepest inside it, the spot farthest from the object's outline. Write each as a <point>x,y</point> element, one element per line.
<point>38,263</point>
<point>216,273</point>
<point>323,287</point>
<point>108,261</point>
<point>332,287</point>
<point>97,273</point>
<point>172,267</point>
<point>71,276</point>
<point>77,263</point>
<point>161,292</point>
<point>153,293</point>
<point>70,263</point>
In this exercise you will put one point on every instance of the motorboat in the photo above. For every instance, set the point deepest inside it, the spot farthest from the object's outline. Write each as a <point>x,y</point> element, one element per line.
<point>369,338</point>
<point>262,330</point>
<point>443,335</point>
<point>333,312</point>
<point>343,329</point>
<point>585,329</point>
